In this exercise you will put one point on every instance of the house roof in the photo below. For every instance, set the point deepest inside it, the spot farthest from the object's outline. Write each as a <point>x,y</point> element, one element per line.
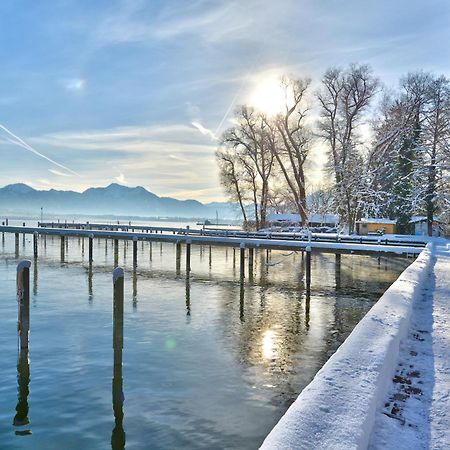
<point>377,220</point>
<point>315,218</point>
<point>417,219</point>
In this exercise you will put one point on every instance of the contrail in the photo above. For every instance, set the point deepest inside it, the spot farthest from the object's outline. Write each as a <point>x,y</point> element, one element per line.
<point>21,143</point>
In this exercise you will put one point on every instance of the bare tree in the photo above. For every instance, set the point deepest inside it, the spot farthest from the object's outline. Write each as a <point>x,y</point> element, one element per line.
<point>231,176</point>
<point>344,98</point>
<point>289,140</point>
<point>249,139</point>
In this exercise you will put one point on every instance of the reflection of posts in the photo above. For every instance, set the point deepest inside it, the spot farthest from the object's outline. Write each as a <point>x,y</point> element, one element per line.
<point>23,299</point>
<point>23,379</point>
<point>90,290</point>
<point>307,306</point>
<point>134,288</point>
<point>118,433</point>
<point>35,277</point>
<point>188,297</point>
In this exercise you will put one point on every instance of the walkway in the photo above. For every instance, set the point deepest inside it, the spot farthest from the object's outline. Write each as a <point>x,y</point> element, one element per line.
<point>416,411</point>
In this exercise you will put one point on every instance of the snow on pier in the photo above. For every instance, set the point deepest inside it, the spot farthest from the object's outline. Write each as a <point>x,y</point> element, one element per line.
<point>254,241</point>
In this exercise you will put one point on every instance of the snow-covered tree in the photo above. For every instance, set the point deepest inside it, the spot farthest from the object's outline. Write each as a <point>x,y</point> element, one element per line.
<point>344,98</point>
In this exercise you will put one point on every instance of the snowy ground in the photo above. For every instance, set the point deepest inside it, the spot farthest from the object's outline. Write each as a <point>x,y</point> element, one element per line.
<point>416,410</point>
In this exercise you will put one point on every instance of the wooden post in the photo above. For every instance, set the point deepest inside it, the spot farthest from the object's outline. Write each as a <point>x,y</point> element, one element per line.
<point>35,244</point>
<point>17,244</point>
<point>242,261</point>
<point>118,434</point>
<point>210,257</point>
<point>234,257</point>
<point>151,251</point>
<point>188,256</point>
<point>116,252</point>
<point>23,299</point>
<point>251,254</point>
<point>118,288</point>
<point>308,268</point>
<point>178,257</point>
<point>91,254</point>
<point>63,249</point>
<point>135,251</point>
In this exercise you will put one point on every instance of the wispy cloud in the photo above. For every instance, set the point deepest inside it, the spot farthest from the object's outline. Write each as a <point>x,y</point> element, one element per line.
<point>204,131</point>
<point>16,140</point>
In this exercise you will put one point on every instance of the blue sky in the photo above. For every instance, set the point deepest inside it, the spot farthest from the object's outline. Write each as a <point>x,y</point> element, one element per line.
<point>134,91</point>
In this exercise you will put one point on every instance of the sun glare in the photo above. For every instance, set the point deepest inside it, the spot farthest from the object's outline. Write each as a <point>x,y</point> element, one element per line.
<point>269,96</point>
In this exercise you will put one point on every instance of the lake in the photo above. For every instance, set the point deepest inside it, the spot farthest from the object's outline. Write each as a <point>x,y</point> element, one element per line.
<point>208,362</point>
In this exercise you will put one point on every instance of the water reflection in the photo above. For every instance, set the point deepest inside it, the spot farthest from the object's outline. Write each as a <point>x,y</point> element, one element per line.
<point>188,297</point>
<point>118,433</point>
<point>35,277</point>
<point>134,283</point>
<point>23,378</point>
<point>90,288</point>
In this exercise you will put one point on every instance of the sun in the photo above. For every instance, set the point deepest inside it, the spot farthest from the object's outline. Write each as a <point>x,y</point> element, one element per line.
<point>269,96</point>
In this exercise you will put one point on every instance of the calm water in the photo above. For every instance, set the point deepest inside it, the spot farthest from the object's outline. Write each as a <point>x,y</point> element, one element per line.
<point>206,363</point>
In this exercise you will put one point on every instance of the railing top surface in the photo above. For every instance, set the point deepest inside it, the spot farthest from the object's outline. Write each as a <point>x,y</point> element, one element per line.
<point>230,240</point>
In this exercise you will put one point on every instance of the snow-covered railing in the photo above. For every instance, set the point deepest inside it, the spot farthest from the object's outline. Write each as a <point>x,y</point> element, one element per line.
<point>337,409</point>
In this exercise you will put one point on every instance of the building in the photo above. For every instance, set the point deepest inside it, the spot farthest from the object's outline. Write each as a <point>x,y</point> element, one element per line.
<point>375,226</point>
<point>315,220</point>
<point>421,226</point>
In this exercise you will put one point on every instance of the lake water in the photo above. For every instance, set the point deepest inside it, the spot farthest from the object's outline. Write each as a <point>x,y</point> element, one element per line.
<point>208,363</point>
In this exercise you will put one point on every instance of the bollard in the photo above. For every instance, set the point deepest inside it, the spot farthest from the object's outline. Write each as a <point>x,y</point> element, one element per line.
<point>234,257</point>
<point>118,282</point>
<point>188,256</point>
<point>210,257</point>
<point>91,241</point>
<point>251,254</point>
<point>151,251</point>
<point>35,244</point>
<point>135,251</point>
<point>23,299</point>
<point>308,268</point>
<point>242,261</point>
<point>118,434</point>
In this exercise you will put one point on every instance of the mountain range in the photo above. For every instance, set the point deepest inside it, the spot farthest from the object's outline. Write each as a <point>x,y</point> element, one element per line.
<point>114,199</point>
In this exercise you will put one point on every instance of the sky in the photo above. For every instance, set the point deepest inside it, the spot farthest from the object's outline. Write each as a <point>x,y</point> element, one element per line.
<point>136,92</point>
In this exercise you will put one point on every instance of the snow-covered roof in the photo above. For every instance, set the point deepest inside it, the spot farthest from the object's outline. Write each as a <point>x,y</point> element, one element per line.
<point>315,218</point>
<point>416,219</point>
<point>273,217</point>
<point>377,220</point>
<point>324,218</point>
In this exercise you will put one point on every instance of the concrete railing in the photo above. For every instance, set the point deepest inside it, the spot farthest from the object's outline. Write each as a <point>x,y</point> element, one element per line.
<point>337,409</point>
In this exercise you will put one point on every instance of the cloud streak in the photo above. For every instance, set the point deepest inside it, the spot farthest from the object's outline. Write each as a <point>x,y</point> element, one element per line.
<point>14,139</point>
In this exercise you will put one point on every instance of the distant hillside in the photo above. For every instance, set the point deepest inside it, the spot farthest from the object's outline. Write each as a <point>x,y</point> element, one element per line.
<point>113,199</point>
